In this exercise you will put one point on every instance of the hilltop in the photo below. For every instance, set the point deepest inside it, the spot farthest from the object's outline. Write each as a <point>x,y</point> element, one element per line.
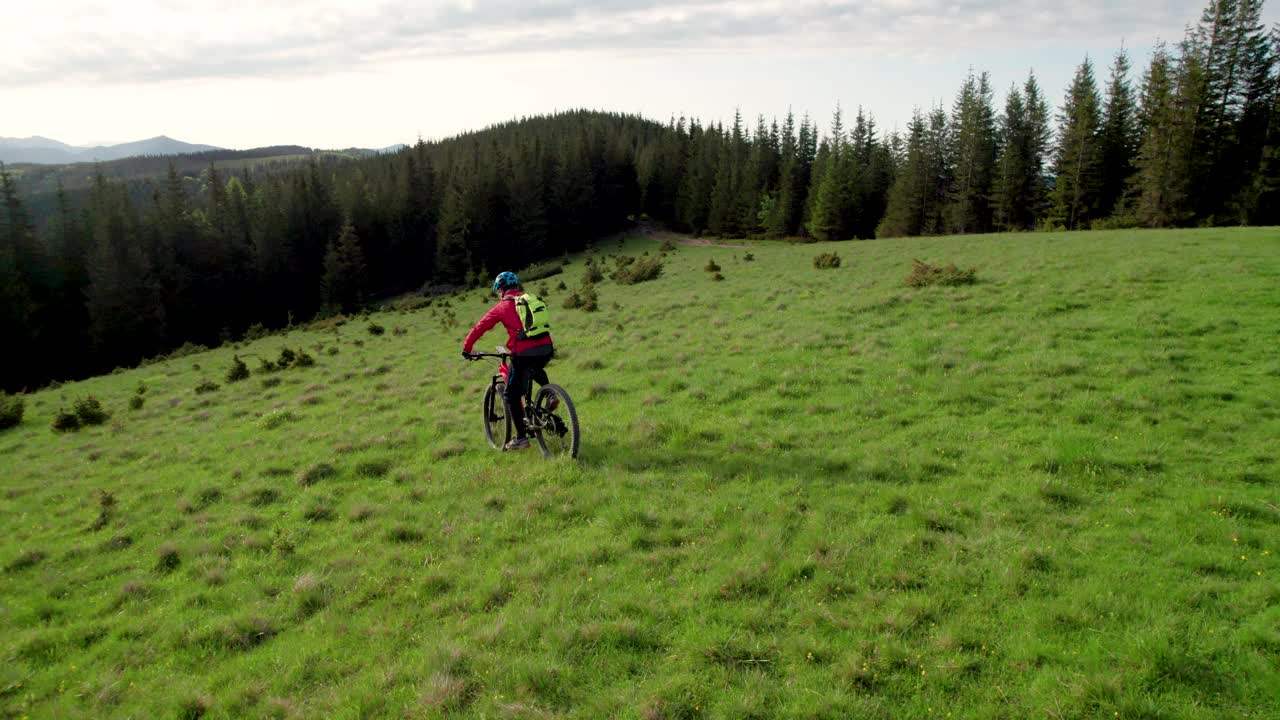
<point>803,493</point>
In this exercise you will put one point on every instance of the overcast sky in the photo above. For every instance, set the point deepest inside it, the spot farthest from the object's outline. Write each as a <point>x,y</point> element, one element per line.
<point>329,73</point>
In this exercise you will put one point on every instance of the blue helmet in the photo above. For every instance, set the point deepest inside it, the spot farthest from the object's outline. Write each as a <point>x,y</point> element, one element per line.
<point>505,280</point>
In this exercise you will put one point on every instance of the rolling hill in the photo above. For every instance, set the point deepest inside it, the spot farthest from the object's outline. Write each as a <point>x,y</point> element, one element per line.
<point>803,493</point>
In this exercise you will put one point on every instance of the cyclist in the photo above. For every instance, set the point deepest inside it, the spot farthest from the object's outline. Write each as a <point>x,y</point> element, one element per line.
<point>529,356</point>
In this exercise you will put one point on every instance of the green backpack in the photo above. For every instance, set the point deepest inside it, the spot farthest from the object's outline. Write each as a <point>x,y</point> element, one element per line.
<point>534,320</point>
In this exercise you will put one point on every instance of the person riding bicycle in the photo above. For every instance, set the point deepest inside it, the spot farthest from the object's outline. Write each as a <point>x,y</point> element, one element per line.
<point>529,356</point>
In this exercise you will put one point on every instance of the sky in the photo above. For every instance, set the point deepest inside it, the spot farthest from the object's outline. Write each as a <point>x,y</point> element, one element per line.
<point>337,73</point>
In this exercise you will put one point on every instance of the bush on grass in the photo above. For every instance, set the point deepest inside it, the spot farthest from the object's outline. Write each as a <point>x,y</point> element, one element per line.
<point>238,370</point>
<point>65,421</point>
<point>11,409</point>
<point>89,411</point>
<point>826,261</point>
<point>923,274</point>
<point>638,271</point>
<point>584,299</point>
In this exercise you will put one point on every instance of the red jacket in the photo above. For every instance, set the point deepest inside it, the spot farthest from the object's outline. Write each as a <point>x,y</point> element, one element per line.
<point>505,312</point>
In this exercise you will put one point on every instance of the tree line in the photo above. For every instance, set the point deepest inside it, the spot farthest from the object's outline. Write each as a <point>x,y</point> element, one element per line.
<point>125,270</point>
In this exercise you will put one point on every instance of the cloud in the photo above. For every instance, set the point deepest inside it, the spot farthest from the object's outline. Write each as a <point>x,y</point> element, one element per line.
<point>89,42</point>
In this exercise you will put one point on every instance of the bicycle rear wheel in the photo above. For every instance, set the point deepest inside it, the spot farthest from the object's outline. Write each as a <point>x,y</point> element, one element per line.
<point>497,426</point>
<point>555,422</point>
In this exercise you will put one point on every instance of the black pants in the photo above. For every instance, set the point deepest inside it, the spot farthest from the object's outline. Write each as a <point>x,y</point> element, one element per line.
<point>525,367</point>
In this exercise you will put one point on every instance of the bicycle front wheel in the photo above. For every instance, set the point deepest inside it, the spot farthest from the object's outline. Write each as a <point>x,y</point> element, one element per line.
<point>497,426</point>
<point>555,422</point>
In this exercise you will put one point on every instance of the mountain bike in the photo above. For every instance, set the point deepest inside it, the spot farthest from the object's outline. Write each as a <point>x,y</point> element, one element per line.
<point>549,417</point>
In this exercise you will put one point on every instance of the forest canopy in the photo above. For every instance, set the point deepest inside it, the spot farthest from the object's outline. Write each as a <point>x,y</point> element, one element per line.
<point>111,270</point>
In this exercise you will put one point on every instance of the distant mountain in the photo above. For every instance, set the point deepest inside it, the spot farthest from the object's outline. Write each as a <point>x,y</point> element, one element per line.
<point>370,152</point>
<point>45,151</point>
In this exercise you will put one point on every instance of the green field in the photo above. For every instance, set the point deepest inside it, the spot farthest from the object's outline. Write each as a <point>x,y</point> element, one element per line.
<point>802,494</point>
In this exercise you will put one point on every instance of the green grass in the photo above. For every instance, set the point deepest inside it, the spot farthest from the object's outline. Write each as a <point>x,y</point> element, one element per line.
<point>802,493</point>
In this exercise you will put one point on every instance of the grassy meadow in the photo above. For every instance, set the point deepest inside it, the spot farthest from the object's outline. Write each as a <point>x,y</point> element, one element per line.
<point>802,493</point>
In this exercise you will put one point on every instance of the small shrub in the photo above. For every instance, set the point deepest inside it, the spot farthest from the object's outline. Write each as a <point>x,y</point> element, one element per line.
<point>255,332</point>
<point>287,357</point>
<point>136,402</point>
<point>647,268</point>
<point>826,261</point>
<point>923,274</point>
<point>584,299</point>
<point>303,360</point>
<point>11,409</point>
<point>238,370</point>
<point>711,266</point>
<point>667,246</point>
<point>270,382</point>
<point>748,257</point>
<point>717,277</point>
<point>90,411</point>
<point>592,275</point>
<point>206,386</point>
<point>275,419</point>
<point>66,421</point>
<point>399,330</point>
<point>562,286</point>
<point>265,366</point>
<point>141,389</point>
<point>376,329</point>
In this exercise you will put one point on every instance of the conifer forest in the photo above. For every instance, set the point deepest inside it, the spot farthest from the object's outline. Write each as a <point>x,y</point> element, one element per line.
<point>118,269</point>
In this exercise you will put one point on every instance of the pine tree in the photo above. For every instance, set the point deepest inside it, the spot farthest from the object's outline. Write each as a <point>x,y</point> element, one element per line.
<point>454,231</point>
<point>940,173</point>
<point>972,145</point>
<point>908,198</point>
<point>832,201</point>
<point>1118,138</point>
<point>1265,206</point>
<point>1167,114</point>
<point>1228,47</point>
<point>15,302</point>
<point>778,223</point>
<point>344,283</point>
<point>733,198</point>
<point>1041,139</point>
<point>872,178</point>
<point>1012,189</point>
<point>1078,163</point>
<point>123,301</point>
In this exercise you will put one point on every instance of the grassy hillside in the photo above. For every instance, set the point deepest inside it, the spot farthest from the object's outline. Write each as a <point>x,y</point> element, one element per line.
<point>802,493</point>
